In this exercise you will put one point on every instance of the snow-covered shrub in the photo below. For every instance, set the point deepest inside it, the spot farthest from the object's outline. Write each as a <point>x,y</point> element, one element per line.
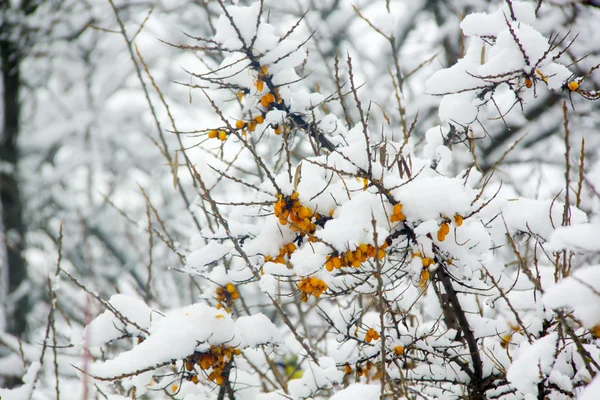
<point>344,253</point>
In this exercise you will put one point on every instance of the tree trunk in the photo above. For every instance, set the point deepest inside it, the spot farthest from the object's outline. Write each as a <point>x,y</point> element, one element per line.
<point>13,229</point>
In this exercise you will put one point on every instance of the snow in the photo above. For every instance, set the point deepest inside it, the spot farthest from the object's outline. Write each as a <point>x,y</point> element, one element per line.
<point>579,238</point>
<point>591,391</point>
<point>358,391</point>
<point>315,376</point>
<point>578,292</point>
<point>212,252</point>
<point>108,326</point>
<point>524,373</point>
<point>189,329</point>
<point>24,391</point>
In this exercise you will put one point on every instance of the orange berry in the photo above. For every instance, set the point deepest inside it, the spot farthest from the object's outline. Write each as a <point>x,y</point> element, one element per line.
<point>458,220</point>
<point>212,134</point>
<point>337,263</point>
<point>240,124</point>
<point>573,85</point>
<point>329,265</point>
<point>441,236</point>
<point>259,85</point>
<point>259,119</point>
<point>445,228</point>
<point>222,135</point>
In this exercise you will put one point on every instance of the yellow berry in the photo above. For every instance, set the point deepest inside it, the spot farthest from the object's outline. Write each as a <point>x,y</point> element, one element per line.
<point>398,350</point>
<point>212,134</point>
<point>458,220</point>
<point>441,236</point>
<point>259,85</point>
<point>259,119</point>
<point>445,228</point>
<point>573,85</point>
<point>222,135</point>
<point>337,263</point>
<point>240,124</point>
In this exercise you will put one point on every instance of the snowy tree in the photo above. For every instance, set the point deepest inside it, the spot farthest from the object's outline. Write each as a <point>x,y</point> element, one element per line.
<point>361,209</point>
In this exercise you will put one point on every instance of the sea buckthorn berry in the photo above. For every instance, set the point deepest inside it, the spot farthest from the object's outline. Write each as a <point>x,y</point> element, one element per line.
<point>269,98</point>
<point>291,247</point>
<point>445,228</point>
<point>259,85</point>
<point>371,335</point>
<point>398,350</point>
<point>397,215</point>
<point>573,85</point>
<point>337,263</point>
<point>222,135</point>
<point>230,288</point>
<point>443,231</point>
<point>212,134</point>
<point>528,83</point>
<point>424,277</point>
<point>252,126</point>
<point>240,124</point>
<point>329,265</point>
<point>276,128</point>
<point>194,379</point>
<point>347,369</point>
<point>426,262</point>
<point>458,220</point>
<point>311,286</point>
<point>259,119</point>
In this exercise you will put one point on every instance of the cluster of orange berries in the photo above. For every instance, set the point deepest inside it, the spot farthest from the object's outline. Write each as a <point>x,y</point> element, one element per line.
<point>363,370</point>
<point>263,72</point>
<point>445,227</point>
<point>397,215</point>
<point>215,358</point>
<point>226,296</point>
<point>269,98</point>
<point>355,258</point>
<point>289,209</point>
<point>311,286</point>
<point>221,135</point>
<point>287,249</point>
<point>371,335</point>
<point>427,262</point>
